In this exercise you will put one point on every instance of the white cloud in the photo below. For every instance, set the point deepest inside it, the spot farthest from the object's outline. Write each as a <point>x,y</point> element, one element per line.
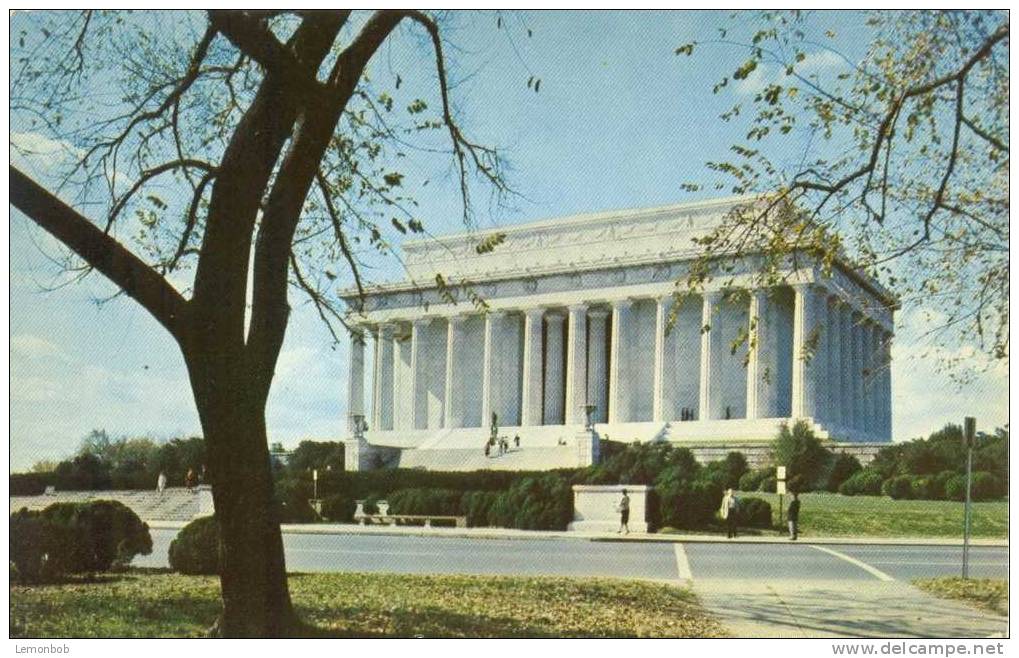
<point>34,347</point>
<point>814,64</point>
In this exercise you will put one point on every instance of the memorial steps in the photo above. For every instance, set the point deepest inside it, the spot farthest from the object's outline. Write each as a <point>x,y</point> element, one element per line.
<point>174,504</point>
<point>525,458</point>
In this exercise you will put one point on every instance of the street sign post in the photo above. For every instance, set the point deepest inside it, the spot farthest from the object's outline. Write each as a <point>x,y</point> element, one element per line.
<point>969,436</point>
<point>780,490</point>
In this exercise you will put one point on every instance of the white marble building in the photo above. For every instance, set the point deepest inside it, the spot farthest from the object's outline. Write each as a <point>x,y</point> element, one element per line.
<point>582,311</point>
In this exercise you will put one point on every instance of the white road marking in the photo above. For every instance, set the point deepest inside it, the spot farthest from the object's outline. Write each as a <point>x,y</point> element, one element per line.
<point>877,573</point>
<point>682,564</point>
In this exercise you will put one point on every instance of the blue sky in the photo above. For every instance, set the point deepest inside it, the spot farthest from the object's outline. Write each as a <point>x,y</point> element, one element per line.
<point>619,122</point>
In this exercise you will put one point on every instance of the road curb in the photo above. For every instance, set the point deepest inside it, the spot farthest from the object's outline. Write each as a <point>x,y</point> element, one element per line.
<point>504,534</point>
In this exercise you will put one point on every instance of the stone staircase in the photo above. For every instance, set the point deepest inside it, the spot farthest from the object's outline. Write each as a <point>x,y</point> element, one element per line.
<point>174,504</point>
<point>525,458</point>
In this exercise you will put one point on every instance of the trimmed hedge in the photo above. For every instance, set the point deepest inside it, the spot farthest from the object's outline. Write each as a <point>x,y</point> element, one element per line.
<point>39,547</point>
<point>339,508</point>
<point>195,549</point>
<point>898,487</point>
<point>441,502</point>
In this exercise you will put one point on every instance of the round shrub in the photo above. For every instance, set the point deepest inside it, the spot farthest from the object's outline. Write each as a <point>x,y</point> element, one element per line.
<point>195,549</point>
<point>105,533</point>
<point>770,484</point>
<point>755,512</point>
<point>339,508</point>
<point>920,488</point>
<point>862,483</point>
<point>987,486</point>
<point>955,487</point>
<point>685,502</point>
<point>39,548</point>
<point>936,484</point>
<point>899,487</point>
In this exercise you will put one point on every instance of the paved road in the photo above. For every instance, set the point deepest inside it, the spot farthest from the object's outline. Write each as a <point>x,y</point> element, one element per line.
<point>656,561</point>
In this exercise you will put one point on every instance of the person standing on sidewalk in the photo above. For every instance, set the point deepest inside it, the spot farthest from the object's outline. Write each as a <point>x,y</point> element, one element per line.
<point>729,511</point>
<point>794,517</point>
<point>624,513</point>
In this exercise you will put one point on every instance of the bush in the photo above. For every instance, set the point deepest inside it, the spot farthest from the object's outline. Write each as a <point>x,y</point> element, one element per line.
<point>292,497</point>
<point>339,508</point>
<point>936,484</point>
<point>30,484</point>
<point>684,501</point>
<point>103,533</point>
<point>862,483</point>
<point>751,480</point>
<point>841,467</point>
<point>477,507</point>
<point>195,549</point>
<point>755,512</point>
<point>898,487</point>
<point>727,472</point>
<point>801,453</point>
<point>920,488</point>
<point>986,486</point>
<point>770,484</point>
<point>443,502</point>
<point>535,503</point>
<point>39,547</point>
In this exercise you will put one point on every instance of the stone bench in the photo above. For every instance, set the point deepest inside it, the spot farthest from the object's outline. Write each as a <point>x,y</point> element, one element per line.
<point>384,517</point>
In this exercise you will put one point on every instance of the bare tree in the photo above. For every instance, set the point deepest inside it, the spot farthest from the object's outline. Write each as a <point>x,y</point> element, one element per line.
<point>268,123</point>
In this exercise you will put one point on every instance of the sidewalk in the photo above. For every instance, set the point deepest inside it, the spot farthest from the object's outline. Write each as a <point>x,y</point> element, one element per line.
<point>510,533</point>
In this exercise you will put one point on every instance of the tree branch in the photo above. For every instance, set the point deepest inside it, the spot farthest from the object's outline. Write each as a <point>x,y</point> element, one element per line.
<point>112,259</point>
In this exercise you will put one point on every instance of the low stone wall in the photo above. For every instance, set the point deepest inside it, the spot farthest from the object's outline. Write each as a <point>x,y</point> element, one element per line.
<point>595,507</point>
<point>760,454</point>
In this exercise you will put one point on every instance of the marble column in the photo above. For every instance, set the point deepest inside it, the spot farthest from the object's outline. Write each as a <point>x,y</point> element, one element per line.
<point>885,391</point>
<point>618,394</point>
<point>860,422</point>
<point>455,384</point>
<point>489,374</point>
<point>597,371</point>
<point>382,407</point>
<point>710,340</point>
<point>875,369</point>
<point>418,378</point>
<point>806,338</point>
<point>833,379</point>
<point>760,376</point>
<point>553,412</point>
<point>531,395</point>
<point>846,385</point>
<point>355,381</point>
<point>576,364</point>
<point>658,391</point>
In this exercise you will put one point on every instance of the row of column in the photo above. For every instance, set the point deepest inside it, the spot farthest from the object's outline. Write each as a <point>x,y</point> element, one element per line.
<point>820,359</point>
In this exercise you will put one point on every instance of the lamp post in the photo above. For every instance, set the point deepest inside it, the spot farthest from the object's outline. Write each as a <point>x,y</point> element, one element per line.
<point>969,435</point>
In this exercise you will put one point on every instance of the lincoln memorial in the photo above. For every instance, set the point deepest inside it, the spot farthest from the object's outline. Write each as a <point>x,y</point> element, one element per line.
<point>550,321</point>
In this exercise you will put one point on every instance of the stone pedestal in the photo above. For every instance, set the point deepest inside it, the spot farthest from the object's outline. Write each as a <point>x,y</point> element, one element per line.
<point>594,507</point>
<point>205,505</point>
<point>588,448</point>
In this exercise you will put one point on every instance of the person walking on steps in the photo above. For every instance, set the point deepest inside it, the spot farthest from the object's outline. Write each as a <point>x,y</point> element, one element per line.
<point>624,514</point>
<point>794,517</point>
<point>729,511</point>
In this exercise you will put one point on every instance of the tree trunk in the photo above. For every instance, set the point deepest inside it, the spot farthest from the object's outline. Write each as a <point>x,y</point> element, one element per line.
<point>256,601</point>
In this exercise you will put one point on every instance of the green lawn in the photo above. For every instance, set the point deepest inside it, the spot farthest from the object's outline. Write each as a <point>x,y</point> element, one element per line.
<point>986,593</point>
<point>158,604</point>
<point>828,514</point>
